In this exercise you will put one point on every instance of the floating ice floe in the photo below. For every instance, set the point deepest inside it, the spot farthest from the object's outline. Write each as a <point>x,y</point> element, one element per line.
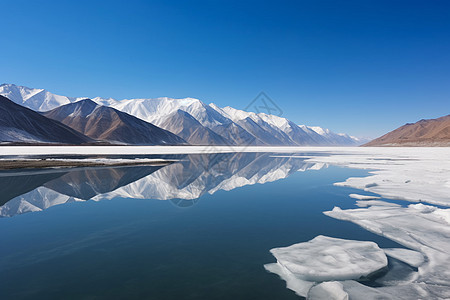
<point>363,197</point>
<point>325,259</point>
<point>299,286</point>
<point>366,203</point>
<point>409,291</point>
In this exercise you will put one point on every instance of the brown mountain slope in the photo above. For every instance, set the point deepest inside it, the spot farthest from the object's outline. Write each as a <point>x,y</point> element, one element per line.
<point>21,124</point>
<point>425,133</point>
<point>108,124</point>
<point>187,127</point>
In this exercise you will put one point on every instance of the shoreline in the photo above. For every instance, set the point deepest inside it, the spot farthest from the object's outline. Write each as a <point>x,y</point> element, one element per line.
<point>15,151</point>
<point>20,164</point>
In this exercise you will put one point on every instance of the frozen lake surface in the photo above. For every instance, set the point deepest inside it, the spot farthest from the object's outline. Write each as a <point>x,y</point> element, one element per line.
<point>204,226</point>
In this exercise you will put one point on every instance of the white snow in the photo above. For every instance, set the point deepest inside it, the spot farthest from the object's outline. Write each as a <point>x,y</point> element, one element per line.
<point>234,114</point>
<point>414,174</point>
<point>319,130</point>
<point>337,138</point>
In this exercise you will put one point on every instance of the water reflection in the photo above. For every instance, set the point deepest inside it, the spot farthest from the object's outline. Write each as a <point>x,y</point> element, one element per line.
<point>182,182</point>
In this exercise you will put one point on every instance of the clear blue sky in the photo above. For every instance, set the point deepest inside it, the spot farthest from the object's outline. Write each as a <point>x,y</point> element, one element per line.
<point>361,67</point>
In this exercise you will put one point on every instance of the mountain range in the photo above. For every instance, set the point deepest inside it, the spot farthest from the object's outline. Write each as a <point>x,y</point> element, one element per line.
<point>431,132</point>
<point>168,121</point>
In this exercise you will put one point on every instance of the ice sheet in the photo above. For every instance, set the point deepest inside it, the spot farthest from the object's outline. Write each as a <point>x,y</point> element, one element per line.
<point>414,174</point>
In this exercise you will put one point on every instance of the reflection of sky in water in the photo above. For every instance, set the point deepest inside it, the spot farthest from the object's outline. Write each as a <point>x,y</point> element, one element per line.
<point>136,247</point>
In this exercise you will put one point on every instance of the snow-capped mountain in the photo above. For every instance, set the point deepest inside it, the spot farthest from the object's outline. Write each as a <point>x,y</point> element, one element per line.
<point>213,126</point>
<point>187,127</point>
<point>35,99</point>
<point>273,129</point>
<point>335,138</point>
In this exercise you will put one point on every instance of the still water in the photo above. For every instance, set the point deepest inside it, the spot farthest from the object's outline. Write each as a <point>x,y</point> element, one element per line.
<point>199,228</point>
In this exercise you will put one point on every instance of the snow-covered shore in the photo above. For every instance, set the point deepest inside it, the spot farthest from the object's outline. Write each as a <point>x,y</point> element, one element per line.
<point>412,174</point>
<point>142,150</point>
<point>30,163</point>
<point>405,152</point>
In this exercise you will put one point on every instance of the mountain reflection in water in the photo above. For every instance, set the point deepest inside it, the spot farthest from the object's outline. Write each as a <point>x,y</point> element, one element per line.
<point>182,182</point>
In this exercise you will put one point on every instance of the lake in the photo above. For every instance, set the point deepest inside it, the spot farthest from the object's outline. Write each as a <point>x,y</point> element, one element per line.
<point>199,228</point>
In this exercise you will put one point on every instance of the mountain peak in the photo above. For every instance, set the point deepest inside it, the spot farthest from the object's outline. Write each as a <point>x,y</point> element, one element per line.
<point>36,99</point>
<point>86,103</point>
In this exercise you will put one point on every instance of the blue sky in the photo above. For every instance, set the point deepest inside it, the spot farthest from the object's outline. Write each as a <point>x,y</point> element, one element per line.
<point>360,67</point>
